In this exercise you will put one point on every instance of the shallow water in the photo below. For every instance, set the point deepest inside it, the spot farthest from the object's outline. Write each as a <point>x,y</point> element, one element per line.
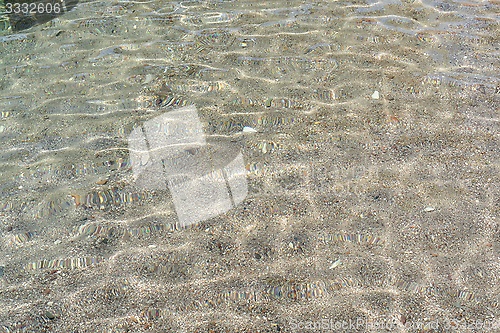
<point>341,164</point>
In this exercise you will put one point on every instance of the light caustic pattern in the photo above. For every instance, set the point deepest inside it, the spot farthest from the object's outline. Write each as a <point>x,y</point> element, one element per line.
<point>306,290</point>
<point>352,238</point>
<point>309,291</point>
<point>297,291</point>
<point>460,81</point>
<point>71,171</point>
<point>270,102</point>
<point>459,294</point>
<point>23,237</point>
<point>43,209</point>
<point>262,123</point>
<point>113,197</point>
<point>288,290</point>
<point>102,199</point>
<point>96,229</point>
<point>92,229</point>
<point>53,207</point>
<point>68,263</point>
<point>203,87</point>
<point>294,63</point>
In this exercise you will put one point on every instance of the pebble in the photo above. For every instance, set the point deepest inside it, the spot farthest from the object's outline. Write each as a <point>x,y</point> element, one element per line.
<point>149,78</point>
<point>335,264</point>
<point>2,128</point>
<point>2,270</point>
<point>375,95</point>
<point>50,315</point>
<point>429,209</point>
<point>264,148</point>
<point>248,129</point>
<point>101,182</point>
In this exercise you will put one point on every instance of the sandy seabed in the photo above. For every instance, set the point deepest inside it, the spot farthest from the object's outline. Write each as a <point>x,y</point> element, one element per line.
<point>371,149</point>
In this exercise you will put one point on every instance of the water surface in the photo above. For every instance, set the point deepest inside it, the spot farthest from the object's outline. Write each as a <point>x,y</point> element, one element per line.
<point>351,150</point>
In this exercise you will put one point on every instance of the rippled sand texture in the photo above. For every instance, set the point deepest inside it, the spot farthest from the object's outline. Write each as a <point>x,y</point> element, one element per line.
<point>383,210</point>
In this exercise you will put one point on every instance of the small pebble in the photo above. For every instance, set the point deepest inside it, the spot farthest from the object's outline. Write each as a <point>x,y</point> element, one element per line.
<point>101,182</point>
<point>375,95</point>
<point>248,129</point>
<point>149,78</point>
<point>2,270</point>
<point>335,264</point>
<point>429,209</point>
<point>50,315</point>
<point>2,128</point>
<point>264,148</point>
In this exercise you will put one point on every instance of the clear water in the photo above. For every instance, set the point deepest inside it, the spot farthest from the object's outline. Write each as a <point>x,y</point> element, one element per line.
<point>272,166</point>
